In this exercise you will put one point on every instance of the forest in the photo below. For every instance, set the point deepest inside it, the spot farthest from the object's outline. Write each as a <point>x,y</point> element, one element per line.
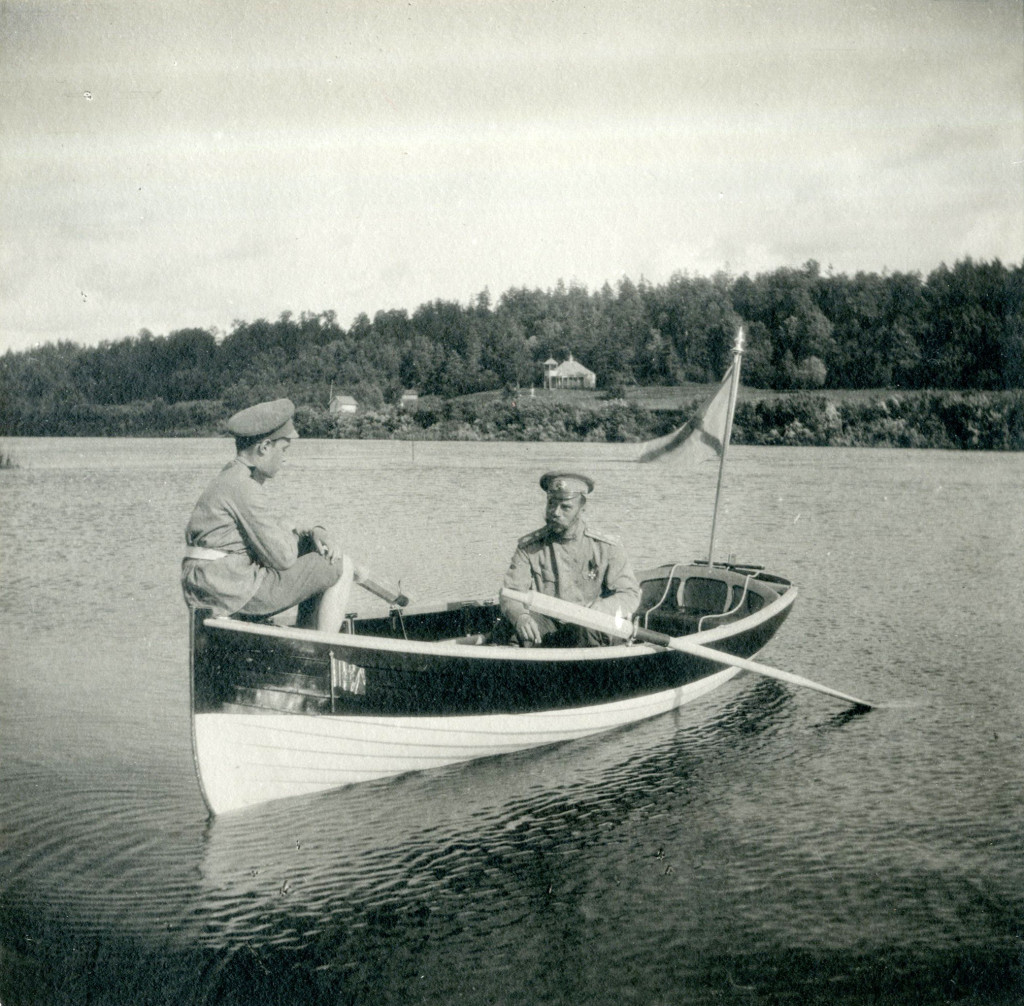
<point>959,329</point>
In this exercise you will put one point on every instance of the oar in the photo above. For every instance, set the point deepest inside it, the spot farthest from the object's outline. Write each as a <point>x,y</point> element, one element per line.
<point>622,628</point>
<point>368,580</point>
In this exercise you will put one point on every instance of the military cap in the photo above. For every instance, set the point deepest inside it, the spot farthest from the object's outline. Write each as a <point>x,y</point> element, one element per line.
<point>565,485</point>
<point>268,419</point>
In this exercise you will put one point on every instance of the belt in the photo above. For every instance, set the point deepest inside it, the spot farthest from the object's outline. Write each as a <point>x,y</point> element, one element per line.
<point>198,552</point>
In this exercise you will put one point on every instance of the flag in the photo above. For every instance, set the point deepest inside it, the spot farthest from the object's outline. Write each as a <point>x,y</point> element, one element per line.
<point>702,438</point>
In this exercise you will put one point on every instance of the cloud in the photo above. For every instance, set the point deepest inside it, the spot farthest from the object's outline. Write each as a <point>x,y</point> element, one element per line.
<point>370,156</point>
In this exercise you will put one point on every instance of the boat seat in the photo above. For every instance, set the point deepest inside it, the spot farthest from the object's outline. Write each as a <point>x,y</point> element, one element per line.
<point>654,592</point>
<point>703,595</point>
<point>700,603</point>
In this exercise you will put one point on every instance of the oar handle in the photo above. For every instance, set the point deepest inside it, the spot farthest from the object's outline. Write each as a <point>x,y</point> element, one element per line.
<point>369,580</point>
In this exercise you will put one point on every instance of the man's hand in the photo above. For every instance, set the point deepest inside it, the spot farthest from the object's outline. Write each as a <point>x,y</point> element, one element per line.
<point>527,630</point>
<point>326,544</point>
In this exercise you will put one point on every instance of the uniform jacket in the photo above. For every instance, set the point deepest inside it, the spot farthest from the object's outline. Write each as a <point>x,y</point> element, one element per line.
<point>584,566</point>
<point>233,515</point>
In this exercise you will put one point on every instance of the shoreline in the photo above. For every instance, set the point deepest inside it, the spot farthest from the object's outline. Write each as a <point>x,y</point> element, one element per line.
<point>982,420</point>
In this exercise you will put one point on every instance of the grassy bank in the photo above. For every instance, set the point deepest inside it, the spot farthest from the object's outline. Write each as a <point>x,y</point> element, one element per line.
<point>988,420</point>
<point>951,420</point>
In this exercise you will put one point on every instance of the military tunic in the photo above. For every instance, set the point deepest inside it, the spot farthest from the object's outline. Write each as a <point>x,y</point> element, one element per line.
<point>582,565</point>
<point>234,516</point>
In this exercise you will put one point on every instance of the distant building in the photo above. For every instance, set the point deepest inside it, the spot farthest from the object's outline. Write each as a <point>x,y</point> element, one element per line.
<point>343,403</point>
<point>568,374</point>
<point>410,400</point>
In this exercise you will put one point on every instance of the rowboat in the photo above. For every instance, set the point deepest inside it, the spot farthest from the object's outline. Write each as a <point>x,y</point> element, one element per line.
<point>280,711</point>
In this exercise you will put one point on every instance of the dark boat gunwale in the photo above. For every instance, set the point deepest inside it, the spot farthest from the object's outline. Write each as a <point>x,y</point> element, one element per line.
<point>244,667</point>
<point>785,591</point>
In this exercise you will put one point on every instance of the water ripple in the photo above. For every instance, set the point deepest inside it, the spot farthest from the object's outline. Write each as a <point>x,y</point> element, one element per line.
<point>763,845</point>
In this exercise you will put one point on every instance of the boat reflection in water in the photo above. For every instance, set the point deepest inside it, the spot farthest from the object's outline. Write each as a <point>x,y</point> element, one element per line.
<point>348,892</point>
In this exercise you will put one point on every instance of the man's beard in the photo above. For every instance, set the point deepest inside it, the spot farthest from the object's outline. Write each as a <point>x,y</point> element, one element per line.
<point>560,530</point>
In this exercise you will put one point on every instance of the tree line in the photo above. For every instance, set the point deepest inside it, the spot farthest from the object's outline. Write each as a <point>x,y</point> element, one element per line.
<point>959,328</point>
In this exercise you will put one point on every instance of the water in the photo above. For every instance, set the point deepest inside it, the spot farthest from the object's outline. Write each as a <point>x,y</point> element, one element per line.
<point>762,845</point>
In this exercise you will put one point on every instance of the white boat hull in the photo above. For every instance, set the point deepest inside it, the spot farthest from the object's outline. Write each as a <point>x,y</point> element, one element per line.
<point>250,758</point>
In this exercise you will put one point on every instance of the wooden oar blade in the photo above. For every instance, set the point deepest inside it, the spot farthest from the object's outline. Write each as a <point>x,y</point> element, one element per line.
<point>796,679</point>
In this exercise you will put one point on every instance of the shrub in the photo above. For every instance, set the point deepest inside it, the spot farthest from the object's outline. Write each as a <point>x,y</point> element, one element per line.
<point>314,421</point>
<point>810,373</point>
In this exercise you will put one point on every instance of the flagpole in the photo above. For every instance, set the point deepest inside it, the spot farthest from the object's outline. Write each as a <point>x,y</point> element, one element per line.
<point>737,357</point>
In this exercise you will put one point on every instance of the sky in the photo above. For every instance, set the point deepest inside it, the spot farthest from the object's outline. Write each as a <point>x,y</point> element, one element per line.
<point>166,165</point>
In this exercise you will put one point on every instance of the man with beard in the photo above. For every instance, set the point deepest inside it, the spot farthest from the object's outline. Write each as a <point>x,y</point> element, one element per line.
<point>571,561</point>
